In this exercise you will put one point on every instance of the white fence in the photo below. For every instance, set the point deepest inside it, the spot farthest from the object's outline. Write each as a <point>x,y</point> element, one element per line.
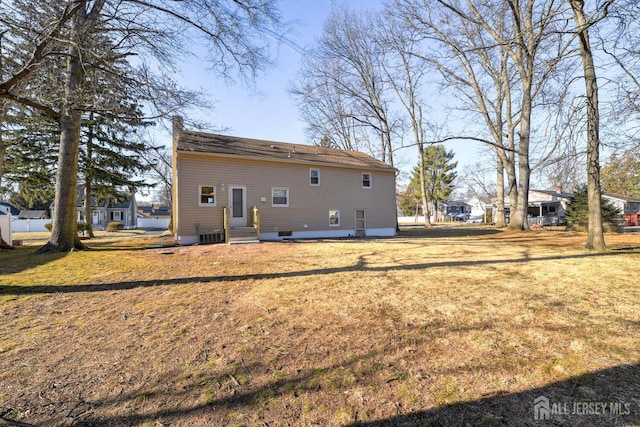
<point>34,225</point>
<point>411,220</point>
<point>162,223</point>
<point>5,225</point>
<point>29,225</point>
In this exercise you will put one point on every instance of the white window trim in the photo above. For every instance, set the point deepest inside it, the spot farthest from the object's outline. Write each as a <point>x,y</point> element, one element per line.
<point>215,196</point>
<point>338,216</point>
<point>310,183</point>
<point>370,180</point>
<point>284,205</point>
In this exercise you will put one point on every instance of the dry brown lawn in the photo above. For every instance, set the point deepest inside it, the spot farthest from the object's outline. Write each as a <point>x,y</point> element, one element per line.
<point>450,326</point>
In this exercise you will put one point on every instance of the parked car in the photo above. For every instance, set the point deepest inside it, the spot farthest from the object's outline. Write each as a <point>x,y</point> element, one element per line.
<point>477,219</point>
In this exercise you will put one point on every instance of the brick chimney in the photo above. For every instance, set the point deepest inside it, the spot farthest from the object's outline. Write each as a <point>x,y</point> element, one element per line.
<point>558,188</point>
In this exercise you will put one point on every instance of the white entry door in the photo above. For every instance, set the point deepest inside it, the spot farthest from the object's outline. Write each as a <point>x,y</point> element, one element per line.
<point>237,206</point>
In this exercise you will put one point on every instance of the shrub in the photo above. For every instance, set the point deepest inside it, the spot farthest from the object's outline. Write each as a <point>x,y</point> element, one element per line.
<point>115,226</point>
<point>80,226</point>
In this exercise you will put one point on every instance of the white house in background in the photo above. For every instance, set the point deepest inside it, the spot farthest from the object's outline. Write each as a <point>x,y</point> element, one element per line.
<point>546,207</point>
<point>230,186</point>
<point>479,209</point>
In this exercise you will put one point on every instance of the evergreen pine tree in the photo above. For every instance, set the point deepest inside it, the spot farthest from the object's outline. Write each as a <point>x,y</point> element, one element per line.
<point>439,174</point>
<point>577,213</point>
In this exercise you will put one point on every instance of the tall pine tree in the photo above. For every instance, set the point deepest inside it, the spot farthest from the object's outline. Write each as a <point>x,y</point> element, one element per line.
<point>439,174</point>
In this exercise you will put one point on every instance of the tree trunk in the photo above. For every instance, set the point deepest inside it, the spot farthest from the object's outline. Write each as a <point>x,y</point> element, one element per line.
<point>88,177</point>
<point>513,190</point>
<point>88,214</point>
<point>423,188</point>
<point>499,219</point>
<point>595,236</point>
<point>64,234</point>
<point>3,150</point>
<point>518,219</point>
<point>3,244</point>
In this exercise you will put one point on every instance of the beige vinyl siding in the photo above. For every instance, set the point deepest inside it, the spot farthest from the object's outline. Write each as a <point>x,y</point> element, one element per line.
<point>340,188</point>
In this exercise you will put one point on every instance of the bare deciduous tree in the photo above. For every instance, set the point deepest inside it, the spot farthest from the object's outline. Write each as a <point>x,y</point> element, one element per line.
<point>162,31</point>
<point>406,74</point>
<point>346,67</point>
<point>324,107</point>
<point>595,237</point>
<point>498,56</point>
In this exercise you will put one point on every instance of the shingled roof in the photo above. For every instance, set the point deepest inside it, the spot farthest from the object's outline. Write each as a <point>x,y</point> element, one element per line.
<point>199,142</point>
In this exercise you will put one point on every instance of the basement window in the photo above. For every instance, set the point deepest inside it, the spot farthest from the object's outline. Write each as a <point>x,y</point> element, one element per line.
<point>334,218</point>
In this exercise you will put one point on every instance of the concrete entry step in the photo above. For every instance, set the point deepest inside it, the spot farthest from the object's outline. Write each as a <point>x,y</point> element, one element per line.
<point>242,235</point>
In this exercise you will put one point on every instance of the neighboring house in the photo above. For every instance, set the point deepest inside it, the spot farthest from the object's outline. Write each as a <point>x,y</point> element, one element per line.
<point>154,216</point>
<point>33,214</point>
<point>546,207</point>
<point>479,209</point>
<point>297,191</point>
<point>154,211</point>
<point>102,213</point>
<point>8,208</point>
<point>629,207</point>
<point>451,210</point>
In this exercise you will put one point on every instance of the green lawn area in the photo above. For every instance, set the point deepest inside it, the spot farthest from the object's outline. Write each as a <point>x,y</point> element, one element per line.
<point>459,326</point>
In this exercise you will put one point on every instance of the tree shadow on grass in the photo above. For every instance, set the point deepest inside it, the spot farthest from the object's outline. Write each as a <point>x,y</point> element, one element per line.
<point>24,258</point>
<point>444,231</point>
<point>610,397</point>
<point>227,390</point>
<point>361,265</point>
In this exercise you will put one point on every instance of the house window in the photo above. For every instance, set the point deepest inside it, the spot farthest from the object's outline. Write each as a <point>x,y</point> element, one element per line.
<point>116,216</point>
<point>314,177</point>
<point>334,218</point>
<point>280,197</point>
<point>366,180</point>
<point>206,195</point>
